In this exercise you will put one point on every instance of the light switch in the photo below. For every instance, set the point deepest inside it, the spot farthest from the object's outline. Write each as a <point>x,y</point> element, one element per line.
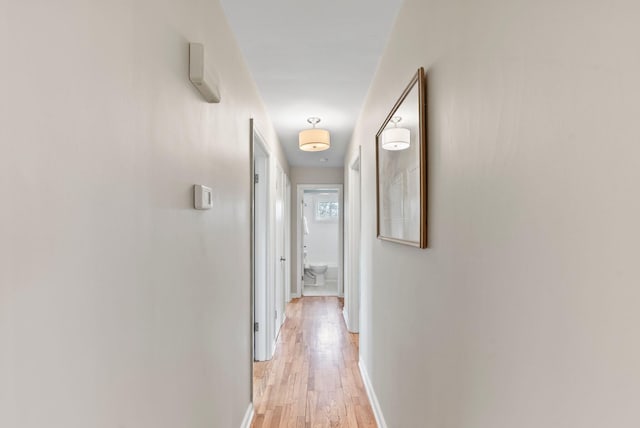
<point>202,197</point>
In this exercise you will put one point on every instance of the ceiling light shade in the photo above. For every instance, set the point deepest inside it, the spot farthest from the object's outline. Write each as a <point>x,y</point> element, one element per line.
<point>396,138</point>
<point>314,139</point>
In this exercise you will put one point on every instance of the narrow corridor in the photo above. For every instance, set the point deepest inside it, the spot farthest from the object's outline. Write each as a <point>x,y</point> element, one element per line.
<point>313,379</point>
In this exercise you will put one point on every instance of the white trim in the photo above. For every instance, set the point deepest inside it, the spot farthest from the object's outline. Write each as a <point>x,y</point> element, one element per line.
<point>346,317</point>
<point>295,295</point>
<point>248,417</point>
<point>375,405</point>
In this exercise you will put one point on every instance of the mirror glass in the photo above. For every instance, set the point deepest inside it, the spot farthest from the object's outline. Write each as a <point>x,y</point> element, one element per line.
<point>399,150</point>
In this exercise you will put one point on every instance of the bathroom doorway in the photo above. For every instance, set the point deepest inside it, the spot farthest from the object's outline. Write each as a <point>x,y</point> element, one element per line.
<point>320,240</point>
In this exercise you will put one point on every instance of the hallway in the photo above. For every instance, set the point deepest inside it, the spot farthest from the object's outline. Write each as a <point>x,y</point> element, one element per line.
<point>313,379</point>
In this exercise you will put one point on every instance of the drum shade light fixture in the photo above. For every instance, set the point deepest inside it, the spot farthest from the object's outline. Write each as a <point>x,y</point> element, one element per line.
<point>396,138</point>
<point>314,139</point>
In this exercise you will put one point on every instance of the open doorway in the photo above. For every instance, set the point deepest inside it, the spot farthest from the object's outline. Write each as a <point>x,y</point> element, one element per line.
<point>320,240</point>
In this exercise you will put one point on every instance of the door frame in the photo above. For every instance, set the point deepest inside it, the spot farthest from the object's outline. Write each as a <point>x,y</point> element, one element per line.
<point>259,242</point>
<point>353,228</point>
<point>299,242</point>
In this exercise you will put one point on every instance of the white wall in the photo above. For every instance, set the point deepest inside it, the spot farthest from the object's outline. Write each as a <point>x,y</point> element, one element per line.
<point>120,305</point>
<point>523,311</point>
<point>306,175</point>
<point>322,241</point>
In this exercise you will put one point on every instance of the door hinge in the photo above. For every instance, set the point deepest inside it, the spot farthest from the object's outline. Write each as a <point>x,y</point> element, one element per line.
<point>256,326</point>
<point>256,178</point>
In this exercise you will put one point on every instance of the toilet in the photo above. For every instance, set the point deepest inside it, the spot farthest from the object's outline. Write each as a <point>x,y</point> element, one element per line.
<point>319,270</point>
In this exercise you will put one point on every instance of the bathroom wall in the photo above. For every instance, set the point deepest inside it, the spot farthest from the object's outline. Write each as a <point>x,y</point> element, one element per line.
<point>322,241</point>
<point>121,305</point>
<point>523,311</point>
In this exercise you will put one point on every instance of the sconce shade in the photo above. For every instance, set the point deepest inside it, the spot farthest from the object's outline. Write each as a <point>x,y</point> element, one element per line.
<point>396,139</point>
<point>314,140</point>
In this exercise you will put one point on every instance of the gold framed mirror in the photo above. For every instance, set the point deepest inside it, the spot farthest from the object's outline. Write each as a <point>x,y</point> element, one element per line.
<point>401,168</point>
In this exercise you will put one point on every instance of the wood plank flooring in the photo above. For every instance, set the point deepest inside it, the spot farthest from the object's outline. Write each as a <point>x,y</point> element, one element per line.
<point>313,380</point>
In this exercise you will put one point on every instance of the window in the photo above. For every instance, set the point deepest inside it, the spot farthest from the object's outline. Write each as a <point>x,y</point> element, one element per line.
<point>326,210</point>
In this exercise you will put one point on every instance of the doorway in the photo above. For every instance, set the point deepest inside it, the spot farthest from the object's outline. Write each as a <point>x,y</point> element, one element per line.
<point>320,240</point>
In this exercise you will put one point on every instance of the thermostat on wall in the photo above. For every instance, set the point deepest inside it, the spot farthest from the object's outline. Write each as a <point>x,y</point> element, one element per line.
<point>202,197</point>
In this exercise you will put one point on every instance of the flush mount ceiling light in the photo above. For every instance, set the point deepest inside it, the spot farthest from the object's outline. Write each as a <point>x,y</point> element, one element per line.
<point>396,138</point>
<point>314,139</point>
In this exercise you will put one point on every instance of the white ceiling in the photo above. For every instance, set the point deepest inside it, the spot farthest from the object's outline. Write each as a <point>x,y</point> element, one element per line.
<point>312,59</point>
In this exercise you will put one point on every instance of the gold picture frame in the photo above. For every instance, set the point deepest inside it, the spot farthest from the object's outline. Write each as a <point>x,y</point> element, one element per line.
<point>401,168</point>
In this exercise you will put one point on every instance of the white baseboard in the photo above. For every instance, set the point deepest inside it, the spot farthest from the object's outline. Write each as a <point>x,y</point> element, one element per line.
<point>346,321</point>
<point>248,417</point>
<point>273,348</point>
<point>375,405</point>
<point>295,295</point>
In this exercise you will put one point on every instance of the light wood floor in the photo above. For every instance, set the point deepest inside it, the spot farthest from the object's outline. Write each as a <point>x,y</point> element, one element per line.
<point>313,379</point>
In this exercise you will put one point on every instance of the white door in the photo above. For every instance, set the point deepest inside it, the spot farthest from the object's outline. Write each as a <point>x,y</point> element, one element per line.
<point>300,276</point>
<point>281,258</point>
<point>287,241</point>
